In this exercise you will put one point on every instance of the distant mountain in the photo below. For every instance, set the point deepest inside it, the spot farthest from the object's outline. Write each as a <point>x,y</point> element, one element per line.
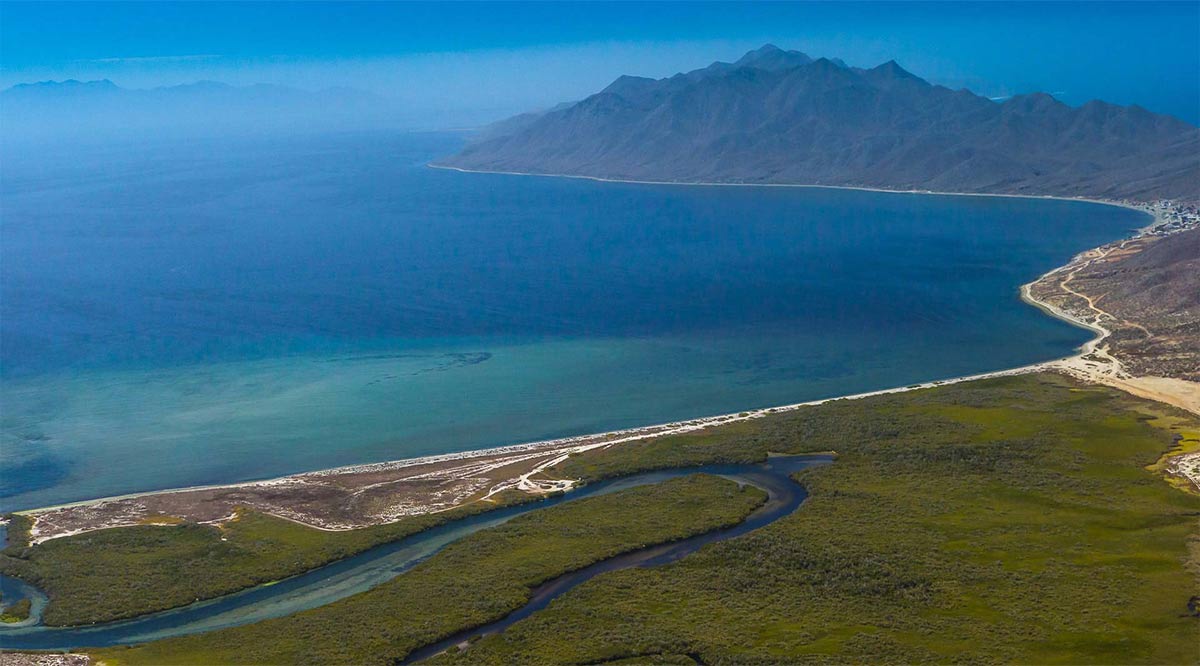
<point>59,89</point>
<point>778,116</point>
<point>64,109</point>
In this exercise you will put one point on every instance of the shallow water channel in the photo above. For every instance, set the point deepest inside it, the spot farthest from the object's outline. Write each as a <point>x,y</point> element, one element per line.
<point>382,563</point>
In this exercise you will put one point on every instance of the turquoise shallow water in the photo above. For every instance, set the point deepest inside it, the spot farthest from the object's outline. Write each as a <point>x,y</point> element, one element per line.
<point>209,313</point>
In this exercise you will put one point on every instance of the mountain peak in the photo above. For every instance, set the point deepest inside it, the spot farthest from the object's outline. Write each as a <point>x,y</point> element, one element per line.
<point>766,48</point>
<point>1037,102</point>
<point>773,58</point>
<point>892,69</point>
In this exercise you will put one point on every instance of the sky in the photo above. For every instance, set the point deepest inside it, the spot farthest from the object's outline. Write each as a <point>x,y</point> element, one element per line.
<point>492,59</point>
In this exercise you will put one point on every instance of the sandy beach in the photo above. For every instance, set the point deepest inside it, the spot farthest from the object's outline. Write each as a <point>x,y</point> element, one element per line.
<point>357,496</point>
<point>1094,363</point>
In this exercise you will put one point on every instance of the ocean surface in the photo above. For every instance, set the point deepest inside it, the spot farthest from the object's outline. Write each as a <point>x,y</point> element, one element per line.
<point>216,311</point>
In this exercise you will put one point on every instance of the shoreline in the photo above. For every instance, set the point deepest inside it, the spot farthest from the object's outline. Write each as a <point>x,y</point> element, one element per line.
<point>1106,369</point>
<point>1074,365</point>
<point>575,444</point>
<point>544,454</point>
<point>859,188</point>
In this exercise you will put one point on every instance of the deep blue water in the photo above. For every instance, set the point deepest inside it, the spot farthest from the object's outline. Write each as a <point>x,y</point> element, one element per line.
<point>219,311</point>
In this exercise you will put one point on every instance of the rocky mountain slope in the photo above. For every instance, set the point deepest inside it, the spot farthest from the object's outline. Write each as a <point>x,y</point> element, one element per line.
<point>778,116</point>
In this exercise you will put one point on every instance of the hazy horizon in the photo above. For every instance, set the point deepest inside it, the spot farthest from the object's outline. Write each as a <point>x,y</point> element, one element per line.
<point>473,73</point>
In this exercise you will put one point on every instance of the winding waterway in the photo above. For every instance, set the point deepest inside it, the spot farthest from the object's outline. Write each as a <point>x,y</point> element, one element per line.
<point>383,563</point>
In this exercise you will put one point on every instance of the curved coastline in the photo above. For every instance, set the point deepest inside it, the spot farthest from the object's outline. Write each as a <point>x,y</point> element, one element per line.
<point>859,188</point>
<point>1049,310</point>
<point>673,427</point>
<point>1175,392</point>
<point>1172,391</point>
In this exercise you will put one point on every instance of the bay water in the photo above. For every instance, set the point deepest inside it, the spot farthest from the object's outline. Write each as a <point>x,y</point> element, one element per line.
<point>224,310</point>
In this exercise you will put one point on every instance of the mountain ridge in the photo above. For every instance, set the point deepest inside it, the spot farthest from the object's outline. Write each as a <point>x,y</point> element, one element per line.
<point>781,117</point>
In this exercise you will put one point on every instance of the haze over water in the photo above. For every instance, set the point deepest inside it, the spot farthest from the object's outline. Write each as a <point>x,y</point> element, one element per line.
<point>211,311</point>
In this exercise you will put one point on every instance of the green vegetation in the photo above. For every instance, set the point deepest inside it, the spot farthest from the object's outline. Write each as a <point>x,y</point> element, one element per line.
<point>1004,521</point>
<point>18,529</point>
<point>1187,440</point>
<point>1020,519</point>
<point>473,581</point>
<point>128,571</point>
<point>17,612</point>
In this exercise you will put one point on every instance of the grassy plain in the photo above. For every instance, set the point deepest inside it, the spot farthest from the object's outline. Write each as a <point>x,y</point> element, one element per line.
<point>1015,520</point>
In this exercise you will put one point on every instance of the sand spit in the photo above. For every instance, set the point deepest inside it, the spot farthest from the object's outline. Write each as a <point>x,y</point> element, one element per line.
<point>357,496</point>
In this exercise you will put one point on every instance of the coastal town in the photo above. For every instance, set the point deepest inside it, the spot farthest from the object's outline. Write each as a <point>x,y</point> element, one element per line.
<point>1170,217</point>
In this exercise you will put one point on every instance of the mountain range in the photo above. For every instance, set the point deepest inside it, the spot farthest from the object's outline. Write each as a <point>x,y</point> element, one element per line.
<point>777,116</point>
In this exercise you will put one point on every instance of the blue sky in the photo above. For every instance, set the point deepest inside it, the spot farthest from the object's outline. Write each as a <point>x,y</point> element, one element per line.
<point>500,57</point>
